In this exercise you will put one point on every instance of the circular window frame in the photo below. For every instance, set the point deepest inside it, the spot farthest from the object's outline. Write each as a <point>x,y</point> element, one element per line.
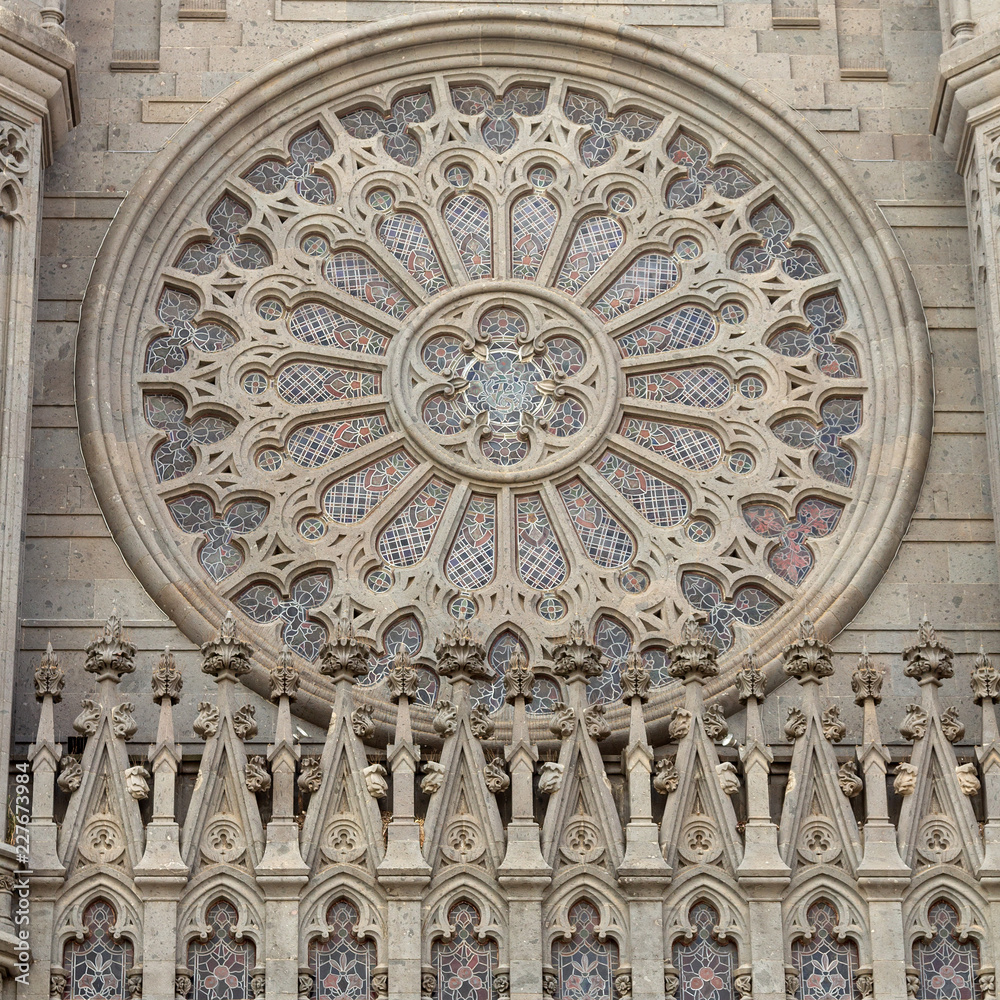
<point>811,172</point>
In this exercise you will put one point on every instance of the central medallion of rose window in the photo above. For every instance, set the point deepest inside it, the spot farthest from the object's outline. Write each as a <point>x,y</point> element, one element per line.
<point>505,381</point>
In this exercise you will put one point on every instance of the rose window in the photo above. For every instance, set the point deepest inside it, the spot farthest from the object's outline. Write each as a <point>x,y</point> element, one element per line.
<point>500,346</point>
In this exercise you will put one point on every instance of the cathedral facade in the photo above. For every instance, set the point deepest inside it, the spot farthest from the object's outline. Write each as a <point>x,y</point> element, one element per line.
<point>498,502</point>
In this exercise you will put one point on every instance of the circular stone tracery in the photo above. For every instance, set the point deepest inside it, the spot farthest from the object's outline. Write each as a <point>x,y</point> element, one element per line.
<point>503,392</point>
<point>740,437</point>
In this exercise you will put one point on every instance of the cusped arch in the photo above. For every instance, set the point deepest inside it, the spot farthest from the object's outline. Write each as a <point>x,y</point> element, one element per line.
<point>829,884</point>
<point>957,888</point>
<point>87,888</point>
<point>715,887</point>
<point>466,886</point>
<point>601,893</point>
<point>362,892</point>
<point>318,84</point>
<point>229,885</point>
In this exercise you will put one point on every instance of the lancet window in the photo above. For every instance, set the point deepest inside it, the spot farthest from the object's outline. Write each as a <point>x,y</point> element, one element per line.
<point>464,962</point>
<point>946,965</point>
<point>826,965</point>
<point>220,963</point>
<point>98,965</point>
<point>342,963</point>
<point>585,965</point>
<point>705,963</point>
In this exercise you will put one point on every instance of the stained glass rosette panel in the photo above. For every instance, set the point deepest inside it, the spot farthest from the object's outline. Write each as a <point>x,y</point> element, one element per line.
<point>705,965</point>
<point>517,380</point>
<point>826,966</point>
<point>97,967</point>
<point>585,966</point>
<point>464,964</point>
<point>946,965</point>
<point>342,964</point>
<point>220,965</point>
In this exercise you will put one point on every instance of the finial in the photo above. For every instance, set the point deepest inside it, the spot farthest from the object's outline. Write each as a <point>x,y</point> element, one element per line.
<point>808,658</point>
<point>459,655</point>
<point>227,656</point>
<point>49,676</point>
<point>866,681</point>
<point>346,654</point>
<point>518,678</point>
<point>985,679</point>
<point>694,657</point>
<point>929,660</point>
<point>284,676</point>
<point>110,655</point>
<point>750,678</point>
<point>635,678</point>
<point>166,678</point>
<point>402,676</point>
<point>576,655</point>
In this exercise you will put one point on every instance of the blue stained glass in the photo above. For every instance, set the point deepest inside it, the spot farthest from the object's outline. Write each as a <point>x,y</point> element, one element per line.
<point>532,221</point>
<point>167,353</point>
<point>727,180</point>
<point>775,226</point>
<point>825,317</point>
<point>692,447</point>
<point>751,606</point>
<point>314,445</point>
<point>644,279</point>
<point>304,152</point>
<point>226,220</point>
<point>705,386</point>
<point>499,127</point>
<point>832,461</point>
<point>615,642</point>
<point>594,243</point>
<point>405,237</point>
<point>195,514</point>
<point>398,139</point>
<point>264,603</point>
<point>97,967</point>
<point>601,140</point>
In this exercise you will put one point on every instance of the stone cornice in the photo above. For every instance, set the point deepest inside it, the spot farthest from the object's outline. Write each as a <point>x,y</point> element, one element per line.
<point>38,78</point>
<point>967,92</point>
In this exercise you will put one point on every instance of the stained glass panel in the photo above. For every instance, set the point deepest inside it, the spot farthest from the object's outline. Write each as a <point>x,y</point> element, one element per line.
<point>705,965</point>
<point>825,316</point>
<point>499,127</point>
<point>177,310</point>
<point>600,141</point>
<point>649,276</point>
<point>540,560</point>
<point>360,278</point>
<point>657,501</point>
<point>226,220</point>
<point>398,140</point>
<point>602,536</point>
<point>471,560</point>
<point>176,457</point>
<point>97,967</point>
<point>692,447</point>
<point>594,243</point>
<point>264,603</point>
<point>704,386</point>
<point>220,965</point>
<point>585,965</point>
<point>464,963</point>
<point>302,382</point>
<point>791,559</point>
<point>826,966</point>
<point>470,223</point>
<point>615,642</point>
<point>317,444</point>
<point>405,237</point>
<point>403,634</point>
<point>775,227</point>
<point>532,221</point>
<point>271,175</point>
<point>194,514</point>
<point>355,496</point>
<point>727,180</point>
<point>946,966</point>
<point>315,323</point>
<point>404,541</point>
<point>687,326</point>
<point>751,605</point>
<point>342,964</point>
<point>501,652</point>
<point>840,417</point>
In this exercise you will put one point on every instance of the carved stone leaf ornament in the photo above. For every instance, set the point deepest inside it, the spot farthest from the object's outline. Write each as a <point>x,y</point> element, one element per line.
<point>550,777</point>
<point>166,679</point>
<point>433,779</point>
<point>905,782</point>
<point>86,722</point>
<point>311,775</point>
<point>914,724</point>
<point>497,779</point>
<point>666,778</point>
<point>716,727</point>
<point>137,782</point>
<point>833,729</point>
<point>49,676</point>
<point>245,722</point>
<point>375,782</point>
<point>70,774</point>
<point>257,777</point>
<point>394,391</point>
<point>123,726</point>
<point>362,723</point>
<point>563,721</point>
<point>206,723</point>
<point>850,782</point>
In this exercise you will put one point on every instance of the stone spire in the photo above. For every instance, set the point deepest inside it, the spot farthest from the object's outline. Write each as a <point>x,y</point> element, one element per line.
<point>985,682</point>
<point>45,755</point>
